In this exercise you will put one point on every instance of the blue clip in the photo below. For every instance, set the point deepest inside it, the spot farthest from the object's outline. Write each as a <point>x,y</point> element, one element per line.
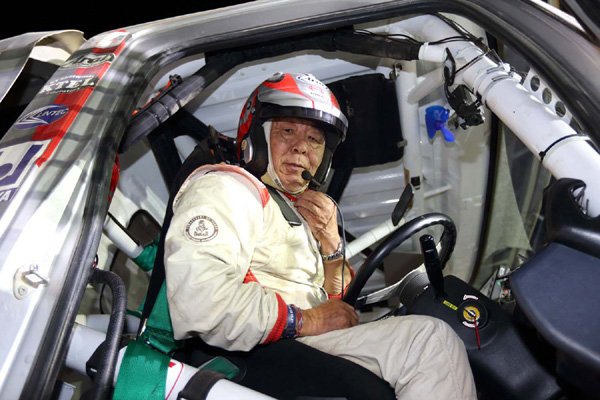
<point>435,119</point>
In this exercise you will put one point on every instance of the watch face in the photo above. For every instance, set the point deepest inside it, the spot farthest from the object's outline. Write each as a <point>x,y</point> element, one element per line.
<point>338,254</point>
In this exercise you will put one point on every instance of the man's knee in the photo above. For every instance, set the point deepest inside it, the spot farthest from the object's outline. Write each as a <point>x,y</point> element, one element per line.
<point>438,326</point>
<point>422,324</point>
<point>430,331</point>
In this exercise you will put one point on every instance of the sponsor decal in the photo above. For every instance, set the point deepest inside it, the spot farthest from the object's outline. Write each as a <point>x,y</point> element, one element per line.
<point>41,116</point>
<point>69,84</point>
<point>15,162</point>
<point>73,93</point>
<point>315,92</point>
<point>201,229</point>
<point>6,195</point>
<point>88,60</point>
<point>311,80</point>
<point>313,88</point>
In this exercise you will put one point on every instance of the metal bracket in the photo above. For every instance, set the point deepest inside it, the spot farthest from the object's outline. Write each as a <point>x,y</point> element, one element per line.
<point>395,71</point>
<point>27,279</point>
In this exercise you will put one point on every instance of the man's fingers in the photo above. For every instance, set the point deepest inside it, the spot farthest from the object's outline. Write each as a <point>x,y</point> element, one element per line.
<point>316,220</point>
<point>305,210</point>
<point>353,316</point>
<point>349,312</point>
<point>331,315</point>
<point>315,208</point>
<point>309,216</point>
<point>315,200</point>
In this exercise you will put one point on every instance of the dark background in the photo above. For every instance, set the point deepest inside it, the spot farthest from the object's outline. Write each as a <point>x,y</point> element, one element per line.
<point>93,17</point>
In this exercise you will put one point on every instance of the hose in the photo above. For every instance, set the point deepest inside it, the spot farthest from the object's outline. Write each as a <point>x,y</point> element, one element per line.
<point>104,377</point>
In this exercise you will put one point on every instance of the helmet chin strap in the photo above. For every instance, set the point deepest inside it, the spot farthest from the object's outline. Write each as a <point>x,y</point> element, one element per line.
<point>271,178</point>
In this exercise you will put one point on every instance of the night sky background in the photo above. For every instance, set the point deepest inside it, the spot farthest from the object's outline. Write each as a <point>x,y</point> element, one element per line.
<point>94,17</point>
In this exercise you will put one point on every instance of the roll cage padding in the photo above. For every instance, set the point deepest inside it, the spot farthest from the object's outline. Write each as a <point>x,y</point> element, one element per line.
<point>177,96</point>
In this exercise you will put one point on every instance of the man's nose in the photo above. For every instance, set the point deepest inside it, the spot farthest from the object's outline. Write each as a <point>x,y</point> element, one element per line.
<point>300,145</point>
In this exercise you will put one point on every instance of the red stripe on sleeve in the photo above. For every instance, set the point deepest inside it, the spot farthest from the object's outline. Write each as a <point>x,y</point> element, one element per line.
<point>281,312</point>
<point>280,323</point>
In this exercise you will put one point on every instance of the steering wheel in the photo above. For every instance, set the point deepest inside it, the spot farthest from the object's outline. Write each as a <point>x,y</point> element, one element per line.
<point>447,240</point>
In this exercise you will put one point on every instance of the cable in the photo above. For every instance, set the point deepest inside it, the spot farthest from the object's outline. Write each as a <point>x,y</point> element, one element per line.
<point>477,41</point>
<point>343,238</point>
<point>389,36</point>
<point>465,33</point>
<point>473,61</point>
<point>106,370</point>
<point>451,39</point>
<point>307,176</point>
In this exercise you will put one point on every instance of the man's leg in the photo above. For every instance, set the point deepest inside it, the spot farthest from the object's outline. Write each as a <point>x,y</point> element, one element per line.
<point>421,357</point>
<point>288,369</point>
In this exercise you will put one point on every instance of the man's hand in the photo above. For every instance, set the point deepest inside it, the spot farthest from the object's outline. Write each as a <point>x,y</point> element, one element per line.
<point>329,316</point>
<point>320,213</point>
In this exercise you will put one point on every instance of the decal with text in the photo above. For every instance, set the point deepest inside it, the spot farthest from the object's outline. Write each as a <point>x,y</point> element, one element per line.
<point>15,162</point>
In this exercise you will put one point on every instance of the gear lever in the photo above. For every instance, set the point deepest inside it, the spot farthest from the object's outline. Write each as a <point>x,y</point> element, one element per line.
<point>433,265</point>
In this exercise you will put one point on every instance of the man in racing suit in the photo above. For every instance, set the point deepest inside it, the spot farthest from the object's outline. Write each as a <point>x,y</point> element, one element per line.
<point>240,273</point>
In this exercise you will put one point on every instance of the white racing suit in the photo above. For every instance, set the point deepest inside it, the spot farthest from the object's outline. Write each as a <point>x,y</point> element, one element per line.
<point>233,262</point>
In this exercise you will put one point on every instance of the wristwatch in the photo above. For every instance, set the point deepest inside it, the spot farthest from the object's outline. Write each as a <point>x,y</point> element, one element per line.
<point>334,256</point>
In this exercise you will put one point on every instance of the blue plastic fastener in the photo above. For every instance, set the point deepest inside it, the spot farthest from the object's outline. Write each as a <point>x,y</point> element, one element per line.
<point>435,119</point>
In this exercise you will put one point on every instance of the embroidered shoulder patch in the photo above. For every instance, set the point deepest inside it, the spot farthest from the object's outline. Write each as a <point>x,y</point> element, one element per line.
<point>201,229</point>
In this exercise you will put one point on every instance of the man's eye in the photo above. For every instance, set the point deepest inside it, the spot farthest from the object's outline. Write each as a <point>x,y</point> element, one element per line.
<point>317,139</point>
<point>287,133</point>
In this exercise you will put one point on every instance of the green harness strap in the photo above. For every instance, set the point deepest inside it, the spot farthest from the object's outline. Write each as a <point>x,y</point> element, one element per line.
<point>143,372</point>
<point>159,331</point>
<point>146,258</point>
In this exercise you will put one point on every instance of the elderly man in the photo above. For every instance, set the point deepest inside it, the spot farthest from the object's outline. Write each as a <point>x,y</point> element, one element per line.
<point>254,257</point>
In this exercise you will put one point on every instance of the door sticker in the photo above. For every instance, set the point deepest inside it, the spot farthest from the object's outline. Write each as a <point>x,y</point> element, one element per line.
<point>42,116</point>
<point>15,163</point>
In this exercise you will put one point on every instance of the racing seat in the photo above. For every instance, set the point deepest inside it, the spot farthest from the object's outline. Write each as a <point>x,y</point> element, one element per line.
<point>286,369</point>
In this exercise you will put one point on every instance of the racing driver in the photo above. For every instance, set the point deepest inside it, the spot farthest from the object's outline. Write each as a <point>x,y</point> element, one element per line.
<point>253,257</point>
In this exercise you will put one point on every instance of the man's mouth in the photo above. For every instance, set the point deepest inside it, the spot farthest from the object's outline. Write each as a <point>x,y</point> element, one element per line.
<point>295,166</point>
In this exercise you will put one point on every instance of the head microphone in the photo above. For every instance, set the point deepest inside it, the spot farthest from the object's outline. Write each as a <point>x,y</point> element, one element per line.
<point>307,176</point>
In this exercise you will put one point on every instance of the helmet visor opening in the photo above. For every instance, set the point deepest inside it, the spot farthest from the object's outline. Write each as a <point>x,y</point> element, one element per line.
<point>269,111</point>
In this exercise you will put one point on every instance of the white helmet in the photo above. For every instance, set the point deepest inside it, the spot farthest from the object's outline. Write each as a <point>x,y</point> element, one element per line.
<point>288,95</point>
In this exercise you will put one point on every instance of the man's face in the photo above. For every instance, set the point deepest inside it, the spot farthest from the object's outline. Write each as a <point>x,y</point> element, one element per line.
<point>296,144</point>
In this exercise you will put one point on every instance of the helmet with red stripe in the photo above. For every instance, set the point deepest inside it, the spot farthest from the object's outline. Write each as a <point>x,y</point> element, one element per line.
<point>288,95</point>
